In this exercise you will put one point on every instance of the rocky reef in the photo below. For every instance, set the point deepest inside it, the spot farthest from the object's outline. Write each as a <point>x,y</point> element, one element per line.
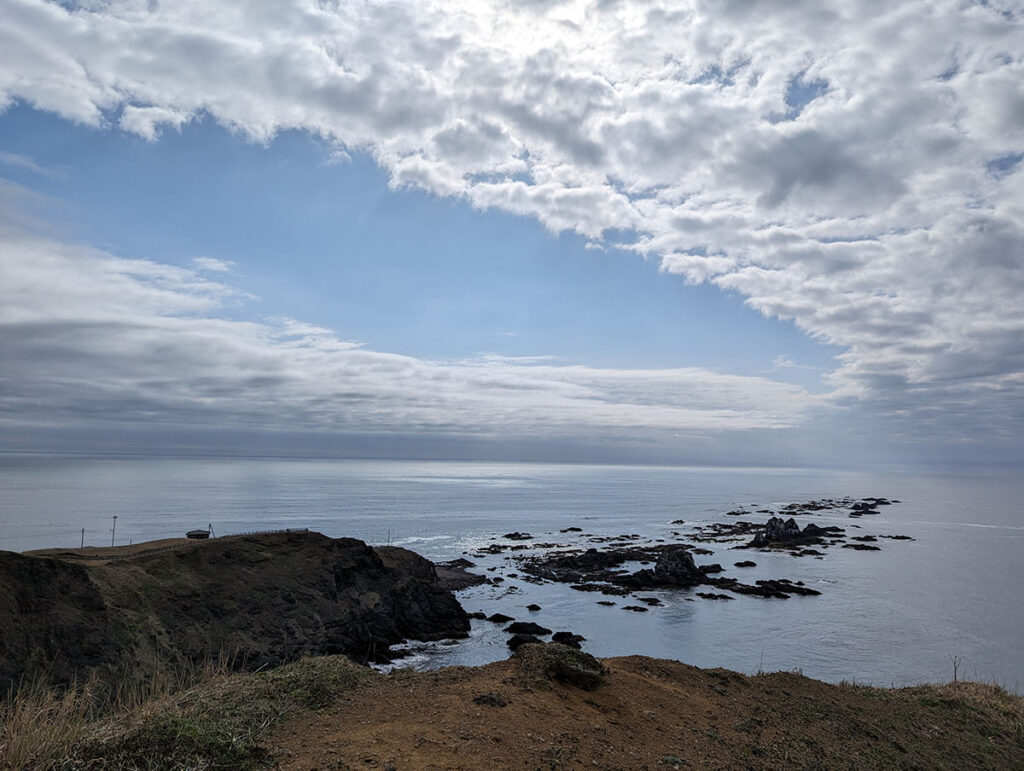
<point>260,600</point>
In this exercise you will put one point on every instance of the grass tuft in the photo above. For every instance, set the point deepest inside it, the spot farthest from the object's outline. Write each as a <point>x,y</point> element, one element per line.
<point>216,721</point>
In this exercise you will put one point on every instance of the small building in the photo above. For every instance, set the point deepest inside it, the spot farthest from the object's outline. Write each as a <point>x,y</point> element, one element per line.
<point>197,534</point>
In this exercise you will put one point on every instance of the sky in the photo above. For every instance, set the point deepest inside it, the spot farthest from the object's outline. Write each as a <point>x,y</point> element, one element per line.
<point>689,232</point>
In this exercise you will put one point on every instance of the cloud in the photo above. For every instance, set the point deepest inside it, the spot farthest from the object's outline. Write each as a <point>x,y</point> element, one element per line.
<point>844,165</point>
<point>18,161</point>
<point>213,264</point>
<point>90,339</point>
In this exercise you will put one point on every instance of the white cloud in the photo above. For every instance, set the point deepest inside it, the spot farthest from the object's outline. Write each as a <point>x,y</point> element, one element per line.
<point>213,264</point>
<point>870,215</point>
<point>19,161</point>
<point>92,339</point>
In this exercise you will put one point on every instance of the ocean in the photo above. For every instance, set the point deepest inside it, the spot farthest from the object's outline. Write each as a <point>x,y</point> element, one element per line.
<point>896,616</point>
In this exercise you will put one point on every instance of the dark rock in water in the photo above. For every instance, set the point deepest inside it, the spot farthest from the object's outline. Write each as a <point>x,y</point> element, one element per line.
<point>865,538</point>
<point>571,530</point>
<point>678,522</point>
<point>517,640</point>
<point>490,700</point>
<point>635,608</point>
<point>778,589</point>
<point>674,567</point>
<point>606,603</point>
<point>864,507</point>
<point>478,615</point>
<point>499,618</point>
<point>861,547</point>
<point>777,531</point>
<point>517,536</point>
<point>526,627</point>
<point>533,606</point>
<point>714,567</point>
<point>653,601</point>
<point>454,576</point>
<point>712,596</point>
<point>267,599</point>
<point>568,638</point>
<point>897,537</point>
<point>746,564</point>
<point>787,586</point>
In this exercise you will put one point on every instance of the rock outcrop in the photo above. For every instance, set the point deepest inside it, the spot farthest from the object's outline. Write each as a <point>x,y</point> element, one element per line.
<point>260,600</point>
<point>784,532</point>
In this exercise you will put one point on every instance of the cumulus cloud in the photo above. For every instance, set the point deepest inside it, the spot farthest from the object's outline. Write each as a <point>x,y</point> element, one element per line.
<point>849,166</point>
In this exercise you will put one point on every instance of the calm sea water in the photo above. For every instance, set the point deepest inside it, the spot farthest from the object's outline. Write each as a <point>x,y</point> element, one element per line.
<point>894,616</point>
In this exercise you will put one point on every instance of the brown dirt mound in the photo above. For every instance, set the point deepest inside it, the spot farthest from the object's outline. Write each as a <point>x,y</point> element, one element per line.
<point>650,714</point>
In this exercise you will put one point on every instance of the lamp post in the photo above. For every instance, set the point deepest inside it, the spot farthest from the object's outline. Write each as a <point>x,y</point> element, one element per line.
<point>113,530</point>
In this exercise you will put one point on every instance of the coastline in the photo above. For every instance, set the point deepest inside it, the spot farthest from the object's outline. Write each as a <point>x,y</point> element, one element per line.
<point>547,705</point>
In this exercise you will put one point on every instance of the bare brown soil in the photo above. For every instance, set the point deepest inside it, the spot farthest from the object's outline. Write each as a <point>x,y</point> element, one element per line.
<point>649,714</point>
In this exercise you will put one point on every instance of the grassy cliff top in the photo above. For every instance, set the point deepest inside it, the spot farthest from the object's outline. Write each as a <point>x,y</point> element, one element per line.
<point>328,713</point>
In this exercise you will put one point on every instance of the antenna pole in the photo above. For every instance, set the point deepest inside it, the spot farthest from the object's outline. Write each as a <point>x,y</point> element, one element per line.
<point>113,530</point>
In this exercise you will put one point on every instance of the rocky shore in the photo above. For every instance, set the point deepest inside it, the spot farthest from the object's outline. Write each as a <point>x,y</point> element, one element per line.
<point>284,605</point>
<point>266,599</point>
<point>630,567</point>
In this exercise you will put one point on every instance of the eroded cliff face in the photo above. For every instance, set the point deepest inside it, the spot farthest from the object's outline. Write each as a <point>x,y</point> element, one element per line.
<point>260,600</point>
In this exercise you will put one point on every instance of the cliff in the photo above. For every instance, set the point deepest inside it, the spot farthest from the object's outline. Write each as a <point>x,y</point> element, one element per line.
<point>261,600</point>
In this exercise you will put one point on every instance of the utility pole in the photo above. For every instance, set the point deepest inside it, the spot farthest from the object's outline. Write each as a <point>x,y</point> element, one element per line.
<point>113,530</point>
<point>83,537</point>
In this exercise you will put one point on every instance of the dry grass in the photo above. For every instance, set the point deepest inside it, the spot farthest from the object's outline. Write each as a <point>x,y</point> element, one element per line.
<point>40,725</point>
<point>192,718</point>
